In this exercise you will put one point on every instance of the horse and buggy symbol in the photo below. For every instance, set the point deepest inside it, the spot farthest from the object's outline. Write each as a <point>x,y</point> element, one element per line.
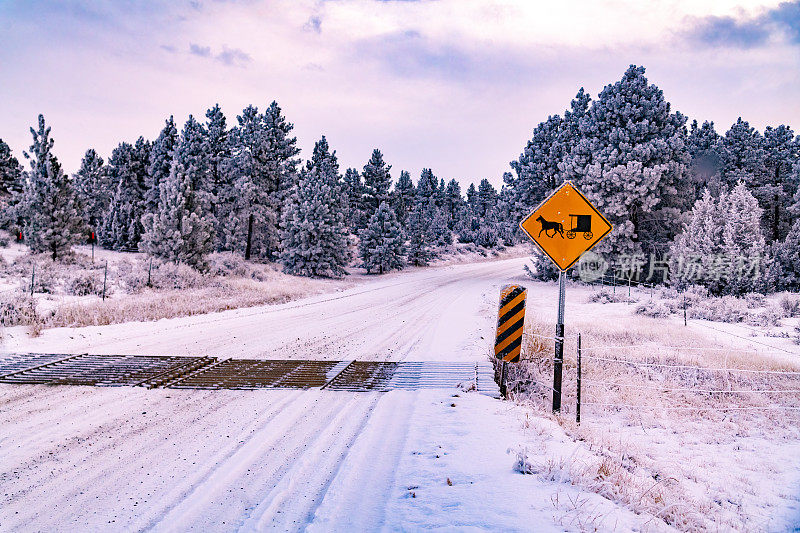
<point>578,224</point>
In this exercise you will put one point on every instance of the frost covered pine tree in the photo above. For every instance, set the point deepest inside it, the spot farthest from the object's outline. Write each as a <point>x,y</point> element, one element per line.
<point>314,238</point>
<point>11,186</point>
<point>354,192</point>
<point>160,163</point>
<point>93,187</point>
<point>698,243</point>
<point>182,228</point>
<point>377,182</point>
<point>381,244</point>
<point>742,240</point>
<point>121,228</point>
<point>418,249</point>
<point>784,268</point>
<point>263,167</point>
<point>50,206</point>
<point>721,247</point>
<point>403,197</point>
<point>631,162</point>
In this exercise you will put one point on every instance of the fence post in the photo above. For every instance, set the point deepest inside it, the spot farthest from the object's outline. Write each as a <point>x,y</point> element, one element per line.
<point>503,377</point>
<point>33,277</point>
<point>149,270</point>
<point>614,282</point>
<point>629,290</point>
<point>105,277</point>
<point>578,406</point>
<point>684,309</point>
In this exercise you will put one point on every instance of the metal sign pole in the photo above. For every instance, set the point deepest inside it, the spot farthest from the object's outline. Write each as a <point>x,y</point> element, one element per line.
<point>558,361</point>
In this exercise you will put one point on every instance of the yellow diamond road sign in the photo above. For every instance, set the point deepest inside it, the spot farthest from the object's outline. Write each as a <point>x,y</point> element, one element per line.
<point>565,225</point>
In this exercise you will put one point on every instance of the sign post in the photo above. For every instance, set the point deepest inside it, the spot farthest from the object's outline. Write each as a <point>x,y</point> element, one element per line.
<point>564,226</point>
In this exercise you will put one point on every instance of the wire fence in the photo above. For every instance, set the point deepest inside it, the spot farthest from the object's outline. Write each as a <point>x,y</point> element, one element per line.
<point>734,387</point>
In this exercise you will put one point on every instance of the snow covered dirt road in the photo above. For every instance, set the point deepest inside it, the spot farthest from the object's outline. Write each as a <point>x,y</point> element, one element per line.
<point>111,459</point>
<point>125,458</point>
<point>428,314</point>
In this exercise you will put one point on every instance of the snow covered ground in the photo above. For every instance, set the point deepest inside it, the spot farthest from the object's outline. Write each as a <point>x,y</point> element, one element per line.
<point>83,458</point>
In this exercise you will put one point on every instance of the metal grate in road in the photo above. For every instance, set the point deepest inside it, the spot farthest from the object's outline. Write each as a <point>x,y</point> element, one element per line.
<point>256,374</point>
<point>98,370</point>
<point>211,373</point>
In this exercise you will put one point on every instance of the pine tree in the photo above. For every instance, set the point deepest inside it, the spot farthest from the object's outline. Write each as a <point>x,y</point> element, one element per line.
<point>263,167</point>
<point>782,152</point>
<point>382,243</point>
<point>93,187</point>
<point>785,265</point>
<point>282,158</point>
<point>160,163</point>
<point>742,153</point>
<point>121,228</point>
<point>11,187</point>
<point>721,246</point>
<point>10,172</point>
<point>182,229</point>
<point>472,193</point>
<point>742,240</point>
<point>419,250</point>
<point>427,185</point>
<point>704,146</point>
<point>403,198</point>
<point>631,162</point>
<point>487,198</point>
<point>698,243</point>
<point>354,192</point>
<point>453,202</point>
<point>377,182</point>
<point>50,205</point>
<point>314,238</point>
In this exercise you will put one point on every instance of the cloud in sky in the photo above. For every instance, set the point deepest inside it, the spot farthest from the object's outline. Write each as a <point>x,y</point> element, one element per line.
<point>748,32</point>
<point>456,85</point>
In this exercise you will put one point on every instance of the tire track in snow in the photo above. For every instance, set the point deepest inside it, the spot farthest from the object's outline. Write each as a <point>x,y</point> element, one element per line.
<point>256,465</point>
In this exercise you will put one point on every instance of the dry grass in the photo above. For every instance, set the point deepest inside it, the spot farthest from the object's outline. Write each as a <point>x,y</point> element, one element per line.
<point>150,305</point>
<point>645,439</point>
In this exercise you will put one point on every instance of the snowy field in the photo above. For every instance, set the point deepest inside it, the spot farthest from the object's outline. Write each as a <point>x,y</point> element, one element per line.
<point>81,458</point>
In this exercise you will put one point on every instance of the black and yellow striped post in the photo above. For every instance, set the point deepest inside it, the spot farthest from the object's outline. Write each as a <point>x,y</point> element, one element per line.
<point>510,320</point>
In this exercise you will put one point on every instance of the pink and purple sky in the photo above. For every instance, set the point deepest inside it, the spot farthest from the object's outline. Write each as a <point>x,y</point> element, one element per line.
<point>455,85</point>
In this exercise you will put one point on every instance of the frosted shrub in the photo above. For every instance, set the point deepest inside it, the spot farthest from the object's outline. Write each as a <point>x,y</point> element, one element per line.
<point>769,317</point>
<point>653,310</point>
<point>175,276</point>
<point>755,300</point>
<point>85,283</point>
<point>606,296</point>
<point>133,277</point>
<point>789,305</point>
<point>725,309</point>
<point>227,264</point>
<point>3,242</point>
<point>16,310</point>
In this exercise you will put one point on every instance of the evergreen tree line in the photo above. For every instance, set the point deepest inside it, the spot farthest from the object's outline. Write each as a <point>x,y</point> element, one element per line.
<point>672,192</point>
<point>210,188</point>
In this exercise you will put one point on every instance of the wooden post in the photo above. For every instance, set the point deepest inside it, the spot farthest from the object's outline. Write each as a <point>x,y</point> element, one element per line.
<point>105,277</point>
<point>578,406</point>
<point>33,278</point>
<point>249,237</point>
<point>684,309</point>
<point>149,271</point>
<point>503,378</point>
